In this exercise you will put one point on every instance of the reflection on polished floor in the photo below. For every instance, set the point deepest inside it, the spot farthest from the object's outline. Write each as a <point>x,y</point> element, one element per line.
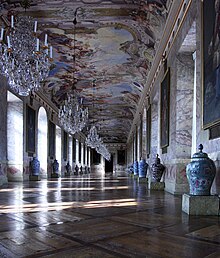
<point>100,216</point>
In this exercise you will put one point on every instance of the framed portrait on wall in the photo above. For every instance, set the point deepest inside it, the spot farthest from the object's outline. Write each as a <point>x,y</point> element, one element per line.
<point>30,129</point>
<point>121,157</point>
<point>65,145</point>
<point>148,130</point>
<point>164,109</point>
<point>96,157</point>
<point>211,62</point>
<point>74,150</point>
<point>51,139</point>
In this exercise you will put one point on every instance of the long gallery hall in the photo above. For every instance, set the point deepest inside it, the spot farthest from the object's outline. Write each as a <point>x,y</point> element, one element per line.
<point>110,128</point>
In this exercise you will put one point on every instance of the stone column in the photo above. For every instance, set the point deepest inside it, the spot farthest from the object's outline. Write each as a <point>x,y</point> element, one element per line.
<point>70,150</point>
<point>77,152</point>
<point>181,112</point>
<point>135,145</point>
<point>155,130</point>
<point>3,130</point>
<point>133,149</point>
<point>82,154</point>
<point>89,157</point>
<point>144,142</point>
<point>58,147</point>
<point>15,139</point>
<point>138,143</point>
<point>86,160</point>
<point>194,131</point>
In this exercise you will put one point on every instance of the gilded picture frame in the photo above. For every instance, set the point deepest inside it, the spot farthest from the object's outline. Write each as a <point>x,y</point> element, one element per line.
<point>210,63</point>
<point>165,109</point>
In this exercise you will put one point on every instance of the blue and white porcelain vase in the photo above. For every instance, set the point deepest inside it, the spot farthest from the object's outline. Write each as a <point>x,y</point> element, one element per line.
<point>35,166</point>
<point>142,168</point>
<point>200,173</point>
<point>55,167</point>
<point>157,170</point>
<point>135,165</point>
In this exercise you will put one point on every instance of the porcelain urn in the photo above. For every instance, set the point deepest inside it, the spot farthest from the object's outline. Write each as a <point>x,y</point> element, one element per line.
<point>142,168</point>
<point>200,173</point>
<point>135,165</point>
<point>35,166</point>
<point>157,170</point>
<point>55,167</point>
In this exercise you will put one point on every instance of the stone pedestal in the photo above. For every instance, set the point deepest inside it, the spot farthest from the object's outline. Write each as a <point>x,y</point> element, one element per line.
<point>34,178</point>
<point>200,205</point>
<point>143,180</point>
<point>156,186</point>
<point>54,175</point>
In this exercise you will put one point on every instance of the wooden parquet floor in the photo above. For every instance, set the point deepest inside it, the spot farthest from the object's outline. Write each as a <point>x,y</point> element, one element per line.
<point>93,216</point>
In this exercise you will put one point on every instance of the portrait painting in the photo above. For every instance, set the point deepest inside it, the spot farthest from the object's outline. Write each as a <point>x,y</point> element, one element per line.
<point>30,129</point>
<point>164,109</point>
<point>96,157</point>
<point>121,157</point>
<point>52,139</point>
<point>211,62</point>
<point>74,150</point>
<point>65,145</point>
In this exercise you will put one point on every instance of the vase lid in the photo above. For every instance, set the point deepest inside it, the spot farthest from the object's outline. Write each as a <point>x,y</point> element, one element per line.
<point>157,159</point>
<point>200,154</point>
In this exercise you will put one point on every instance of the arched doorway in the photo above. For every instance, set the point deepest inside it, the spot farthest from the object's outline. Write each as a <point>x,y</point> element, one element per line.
<point>42,141</point>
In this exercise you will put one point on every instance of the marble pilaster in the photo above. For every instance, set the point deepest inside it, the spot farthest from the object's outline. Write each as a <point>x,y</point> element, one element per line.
<point>70,150</point>
<point>58,146</point>
<point>15,139</point>
<point>144,140</point>
<point>181,113</point>
<point>3,130</point>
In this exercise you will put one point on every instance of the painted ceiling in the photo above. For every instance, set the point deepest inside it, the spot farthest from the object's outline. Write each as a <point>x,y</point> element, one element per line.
<point>115,43</point>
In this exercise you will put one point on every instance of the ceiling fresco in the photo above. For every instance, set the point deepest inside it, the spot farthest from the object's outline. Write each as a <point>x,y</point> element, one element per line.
<point>114,43</point>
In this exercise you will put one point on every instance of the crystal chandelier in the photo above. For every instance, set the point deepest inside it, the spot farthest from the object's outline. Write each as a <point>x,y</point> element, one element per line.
<point>102,149</point>
<point>94,141</point>
<point>72,116</point>
<point>22,60</point>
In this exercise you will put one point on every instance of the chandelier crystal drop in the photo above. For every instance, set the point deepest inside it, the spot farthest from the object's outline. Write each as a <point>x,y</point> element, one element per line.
<point>23,61</point>
<point>72,116</point>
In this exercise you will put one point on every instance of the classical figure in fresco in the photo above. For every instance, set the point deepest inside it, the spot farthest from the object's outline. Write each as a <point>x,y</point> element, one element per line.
<point>214,49</point>
<point>155,7</point>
